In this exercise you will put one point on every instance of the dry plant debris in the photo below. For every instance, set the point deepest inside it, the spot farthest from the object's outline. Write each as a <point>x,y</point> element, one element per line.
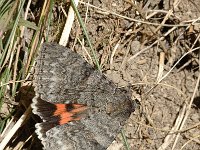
<point>149,46</point>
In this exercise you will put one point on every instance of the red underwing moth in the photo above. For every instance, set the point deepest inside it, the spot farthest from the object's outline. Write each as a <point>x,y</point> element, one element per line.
<point>81,109</point>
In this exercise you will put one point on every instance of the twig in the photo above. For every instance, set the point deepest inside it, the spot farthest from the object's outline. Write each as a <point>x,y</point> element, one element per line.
<point>106,12</point>
<point>161,65</point>
<point>165,130</point>
<point>148,47</point>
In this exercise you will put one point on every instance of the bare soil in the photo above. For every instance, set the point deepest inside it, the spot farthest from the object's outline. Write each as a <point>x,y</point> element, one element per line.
<point>140,45</point>
<point>162,106</point>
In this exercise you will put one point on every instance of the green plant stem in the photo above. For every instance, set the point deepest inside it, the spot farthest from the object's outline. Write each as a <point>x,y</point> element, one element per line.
<point>85,33</point>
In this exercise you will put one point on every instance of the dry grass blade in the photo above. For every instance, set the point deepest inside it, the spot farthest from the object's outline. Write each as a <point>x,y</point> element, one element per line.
<point>73,4</point>
<point>8,53</point>
<point>170,137</point>
<point>161,65</point>
<point>132,19</point>
<point>149,47</point>
<point>12,61</point>
<point>68,25</point>
<point>15,128</point>
<point>188,109</point>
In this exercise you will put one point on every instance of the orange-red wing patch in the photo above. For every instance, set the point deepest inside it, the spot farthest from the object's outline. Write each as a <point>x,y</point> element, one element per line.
<point>60,108</point>
<point>57,113</point>
<point>72,115</point>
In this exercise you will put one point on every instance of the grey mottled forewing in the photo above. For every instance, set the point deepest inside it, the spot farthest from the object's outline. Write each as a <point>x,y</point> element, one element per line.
<point>63,76</point>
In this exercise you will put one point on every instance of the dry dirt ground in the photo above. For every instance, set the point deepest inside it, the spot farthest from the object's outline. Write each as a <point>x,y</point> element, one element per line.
<point>140,45</point>
<point>119,41</point>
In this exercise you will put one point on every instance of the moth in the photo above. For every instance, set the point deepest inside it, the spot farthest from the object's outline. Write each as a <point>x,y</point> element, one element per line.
<point>81,109</point>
